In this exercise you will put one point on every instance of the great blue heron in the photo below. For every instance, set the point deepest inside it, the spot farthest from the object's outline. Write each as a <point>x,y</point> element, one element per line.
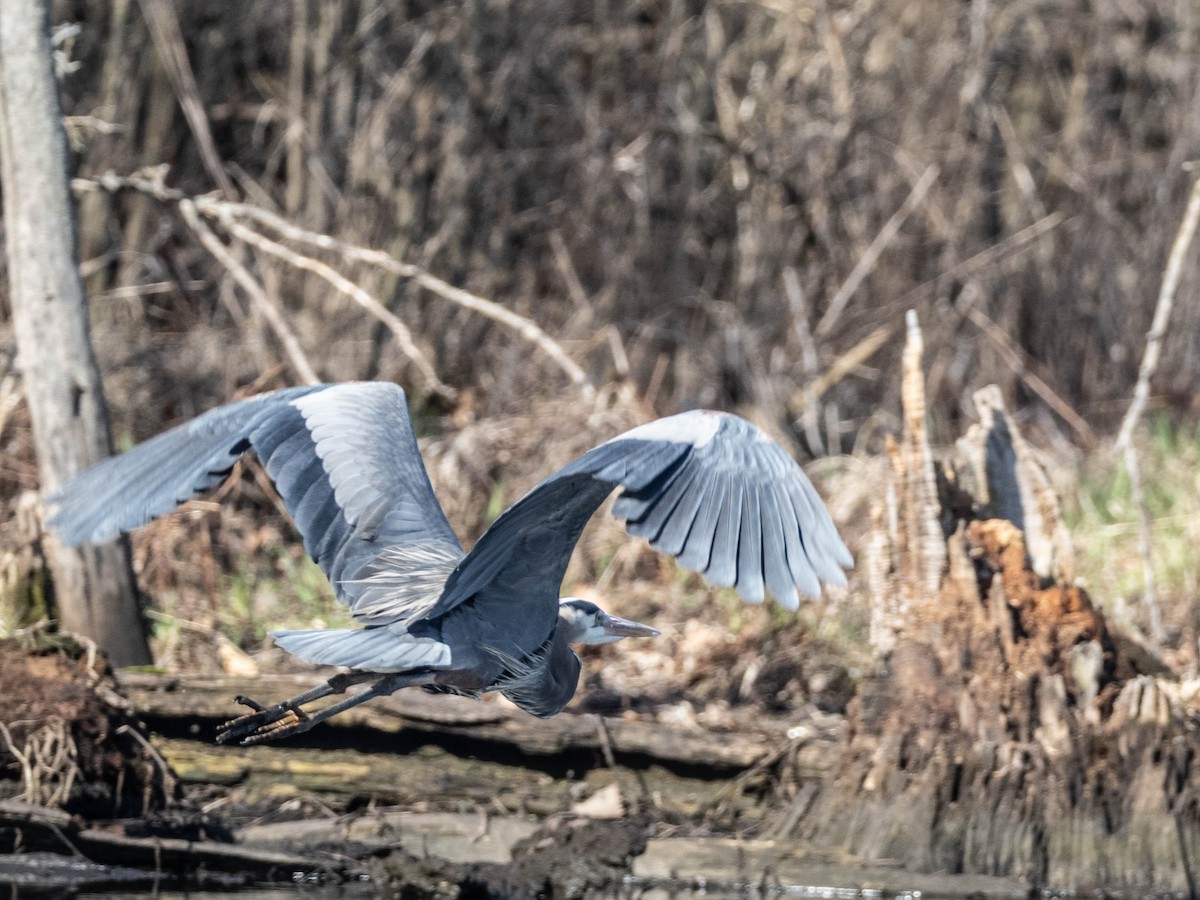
<point>708,488</point>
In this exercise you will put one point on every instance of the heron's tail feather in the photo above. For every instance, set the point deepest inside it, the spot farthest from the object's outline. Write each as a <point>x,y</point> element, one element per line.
<point>367,649</point>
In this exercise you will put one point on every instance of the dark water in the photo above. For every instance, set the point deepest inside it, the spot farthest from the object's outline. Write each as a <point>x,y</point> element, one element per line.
<point>633,889</point>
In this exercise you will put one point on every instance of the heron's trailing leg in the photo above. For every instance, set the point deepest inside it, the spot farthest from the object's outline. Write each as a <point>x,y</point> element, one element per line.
<point>288,718</point>
<point>262,716</point>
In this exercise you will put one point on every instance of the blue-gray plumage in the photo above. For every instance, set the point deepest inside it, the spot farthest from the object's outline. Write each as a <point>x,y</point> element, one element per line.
<point>708,488</point>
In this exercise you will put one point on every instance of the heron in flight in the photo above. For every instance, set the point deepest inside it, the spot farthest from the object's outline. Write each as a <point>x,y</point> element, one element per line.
<point>708,488</point>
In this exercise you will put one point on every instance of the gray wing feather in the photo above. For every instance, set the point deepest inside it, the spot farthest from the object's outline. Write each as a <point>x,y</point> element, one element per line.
<point>824,549</point>
<point>654,518</point>
<point>722,567</point>
<point>750,544</point>
<point>126,491</point>
<point>343,458</point>
<point>369,649</point>
<point>774,551</point>
<point>703,529</point>
<point>708,488</point>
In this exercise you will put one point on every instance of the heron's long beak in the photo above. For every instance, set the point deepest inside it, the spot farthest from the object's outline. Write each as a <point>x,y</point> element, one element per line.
<point>623,628</point>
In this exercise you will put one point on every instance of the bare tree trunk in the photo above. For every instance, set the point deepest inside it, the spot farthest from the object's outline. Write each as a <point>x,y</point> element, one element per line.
<point>94,588</point>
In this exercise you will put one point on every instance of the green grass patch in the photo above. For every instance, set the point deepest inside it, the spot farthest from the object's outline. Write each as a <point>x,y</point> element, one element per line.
<point>1104,520</point>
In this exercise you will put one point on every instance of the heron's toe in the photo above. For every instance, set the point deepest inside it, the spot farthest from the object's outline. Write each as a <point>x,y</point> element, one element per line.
<point>295,721</point>
<point>252,722</point>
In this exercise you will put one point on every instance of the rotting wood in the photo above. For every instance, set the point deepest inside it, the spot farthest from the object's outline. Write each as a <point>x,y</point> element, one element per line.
<point>432,777</point>
<point>1010,483</point>
<point>911,546</point>
<point>1006,730</point>
<point>191,698</point>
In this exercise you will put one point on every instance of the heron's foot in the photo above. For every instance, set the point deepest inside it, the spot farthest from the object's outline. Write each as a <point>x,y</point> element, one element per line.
<point>264,723</point>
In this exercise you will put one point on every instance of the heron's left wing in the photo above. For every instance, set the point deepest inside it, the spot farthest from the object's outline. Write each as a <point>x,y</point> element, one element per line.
<point>346,464</point>
<point>708,488</point>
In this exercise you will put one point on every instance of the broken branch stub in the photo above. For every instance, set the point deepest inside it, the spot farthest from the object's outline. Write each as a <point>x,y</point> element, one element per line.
<point>1003,474</point>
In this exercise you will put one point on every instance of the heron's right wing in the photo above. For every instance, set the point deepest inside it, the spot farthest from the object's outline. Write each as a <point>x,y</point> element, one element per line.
<point>343,458</point>
<point>708,488</point>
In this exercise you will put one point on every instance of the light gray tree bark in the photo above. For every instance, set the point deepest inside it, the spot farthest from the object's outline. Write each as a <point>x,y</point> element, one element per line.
<point>95,592</point>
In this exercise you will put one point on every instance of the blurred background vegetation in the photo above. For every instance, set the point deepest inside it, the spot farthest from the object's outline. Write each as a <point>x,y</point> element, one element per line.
<point>725,204</point>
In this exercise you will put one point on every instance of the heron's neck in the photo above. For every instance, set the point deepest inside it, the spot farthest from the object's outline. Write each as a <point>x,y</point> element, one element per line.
<point>550,681</point>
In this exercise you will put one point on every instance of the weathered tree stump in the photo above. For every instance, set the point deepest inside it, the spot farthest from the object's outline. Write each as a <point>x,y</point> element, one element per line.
<point>1005,731</point>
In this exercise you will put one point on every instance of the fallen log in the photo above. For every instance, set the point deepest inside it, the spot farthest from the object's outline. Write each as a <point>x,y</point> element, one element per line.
<point>44,828</point>
<point>210,698</point>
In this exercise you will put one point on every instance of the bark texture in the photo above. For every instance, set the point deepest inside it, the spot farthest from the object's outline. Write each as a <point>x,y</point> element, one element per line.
<point>95,592</point>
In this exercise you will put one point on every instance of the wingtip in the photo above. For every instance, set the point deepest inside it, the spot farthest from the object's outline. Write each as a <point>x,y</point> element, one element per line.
<point>789,600</point>
<point>844,557</point>
<point>752,591</point>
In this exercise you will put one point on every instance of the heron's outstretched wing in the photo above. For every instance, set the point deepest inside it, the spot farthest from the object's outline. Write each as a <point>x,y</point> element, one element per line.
<point>708,488</point>
<point>344,459</point>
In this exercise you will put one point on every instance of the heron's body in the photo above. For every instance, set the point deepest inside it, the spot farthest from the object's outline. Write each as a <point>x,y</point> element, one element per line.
<point>708,488</point>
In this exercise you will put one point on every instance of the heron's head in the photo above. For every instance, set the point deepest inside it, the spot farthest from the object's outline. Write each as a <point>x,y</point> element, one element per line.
<point>583,622</point>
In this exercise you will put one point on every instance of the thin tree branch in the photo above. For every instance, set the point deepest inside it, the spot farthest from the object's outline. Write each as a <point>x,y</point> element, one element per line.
<point>871,256</point>
<point>985,257</point>
<point>1023,367</point>
<point>488,308</point>
<point>340,282</point>
<point>1141,394</point>
<point>152,183</point>
<point>1162,315</point>
<point>801,400</point>
<point>258,296</point>
<point>168,41</point>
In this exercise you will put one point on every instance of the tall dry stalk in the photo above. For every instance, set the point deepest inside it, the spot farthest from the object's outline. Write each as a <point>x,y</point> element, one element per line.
<point>1150,360</point>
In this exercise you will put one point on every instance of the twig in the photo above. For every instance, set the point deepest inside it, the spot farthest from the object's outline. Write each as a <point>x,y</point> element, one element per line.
<point>169,778</point>
<point>605,743</point>
<point>566,268</point>
<point>1162,315</point>
<point>258,296</point>
<point>1141,393</point>
<point>804,403</point>
<point>986,257</point>
<point>341,283</point>
<point>851,359</point>
<point>168,41</point>
<point>869,258</point>
<point>492,310</point>
<point>23,760</point>
<point>1020,363</point>
<point>1145,549</point>
<point>610,759</point>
